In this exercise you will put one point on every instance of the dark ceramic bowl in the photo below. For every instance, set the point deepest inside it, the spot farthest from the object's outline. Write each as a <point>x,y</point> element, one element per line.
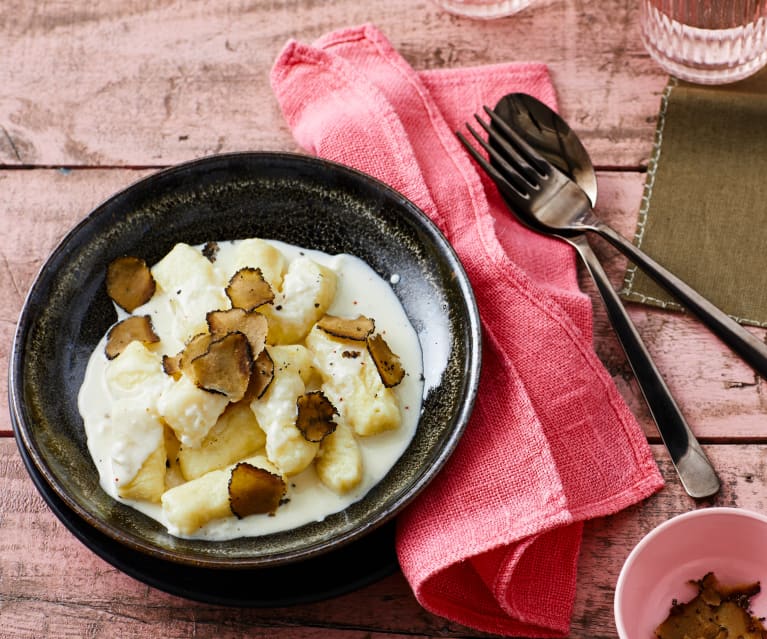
<point>288,197</point>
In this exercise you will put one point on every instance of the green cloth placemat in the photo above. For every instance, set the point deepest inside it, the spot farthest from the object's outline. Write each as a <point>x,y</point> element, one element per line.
<point>704,208</point>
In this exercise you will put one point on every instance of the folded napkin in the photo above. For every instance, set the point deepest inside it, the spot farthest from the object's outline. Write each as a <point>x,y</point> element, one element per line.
<point>493,541</point>
<point>703,212</point>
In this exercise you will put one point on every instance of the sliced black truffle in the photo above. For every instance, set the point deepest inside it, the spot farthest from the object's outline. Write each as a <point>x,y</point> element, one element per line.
<point>315,416</point>
<point>251,323</point>
<point>129,282</point>
<point>346,328</point>
<point>388,364</point>
<point>225,367</point>
<point>254,490</point>
<point>248,289</point>
<point>136,328</point>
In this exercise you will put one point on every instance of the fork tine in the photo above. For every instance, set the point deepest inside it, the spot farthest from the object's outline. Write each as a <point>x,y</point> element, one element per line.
<point>515,161</point>
<point>501,182</point>
<point>532,156</point>
<point>510,173</point>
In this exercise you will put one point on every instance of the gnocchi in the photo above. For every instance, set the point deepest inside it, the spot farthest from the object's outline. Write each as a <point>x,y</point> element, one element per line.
<point>175,441</point>
<point>352,383</point>
<point>193,504</point>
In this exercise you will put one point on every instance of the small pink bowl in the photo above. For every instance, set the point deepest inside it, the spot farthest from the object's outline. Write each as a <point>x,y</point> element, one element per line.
<point>731,542</point>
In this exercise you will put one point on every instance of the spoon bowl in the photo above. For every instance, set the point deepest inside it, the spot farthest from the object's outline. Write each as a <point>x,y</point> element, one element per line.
<point>546,131</point>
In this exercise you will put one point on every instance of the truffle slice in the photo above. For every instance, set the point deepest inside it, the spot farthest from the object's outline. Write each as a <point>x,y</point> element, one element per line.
<point>261,377</point>
<point>315,416</point>
<point>131,329</point>
<point>251,323</point>
<point>254,490</point>
<point>196,346</point>
<point>248,289</point>
<point>716,611</point>
<point>388,364</point>
<point>225,367</point>
<point>129,282</point>
<point>171,365</point>
<point>346,328</point>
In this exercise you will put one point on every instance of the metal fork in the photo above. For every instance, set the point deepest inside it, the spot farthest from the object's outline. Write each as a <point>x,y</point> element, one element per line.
<point>518,179</point>
<point>550,200</point>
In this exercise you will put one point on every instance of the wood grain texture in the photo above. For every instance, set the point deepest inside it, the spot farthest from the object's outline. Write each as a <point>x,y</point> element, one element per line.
<point>53,586</point>
<point>140,83</point>
<point>96,95</point>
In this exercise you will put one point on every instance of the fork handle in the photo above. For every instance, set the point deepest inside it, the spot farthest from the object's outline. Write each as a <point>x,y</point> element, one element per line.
<point>745,344</point>
<point>692,465</point>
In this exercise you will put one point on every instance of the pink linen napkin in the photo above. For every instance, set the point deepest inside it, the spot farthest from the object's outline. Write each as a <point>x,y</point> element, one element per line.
<point>493,541</point>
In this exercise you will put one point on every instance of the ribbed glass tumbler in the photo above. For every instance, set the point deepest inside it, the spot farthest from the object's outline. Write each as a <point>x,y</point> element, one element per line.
<point>706,41</point>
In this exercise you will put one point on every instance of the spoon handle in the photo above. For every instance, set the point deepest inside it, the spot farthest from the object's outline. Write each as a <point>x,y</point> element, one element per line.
<point>750,348</point>
<point>693,467</point>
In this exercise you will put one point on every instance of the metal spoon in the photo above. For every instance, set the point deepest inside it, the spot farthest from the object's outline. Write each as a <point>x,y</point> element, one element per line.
<point>547,133</point>
<point>578,217</point>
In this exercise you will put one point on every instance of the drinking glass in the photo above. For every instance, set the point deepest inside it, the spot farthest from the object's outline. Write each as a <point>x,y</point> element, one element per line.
<point>706,41</point>
<point>485,9</point>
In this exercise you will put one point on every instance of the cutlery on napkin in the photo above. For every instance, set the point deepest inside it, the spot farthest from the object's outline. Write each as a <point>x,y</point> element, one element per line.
<point>493,541</point>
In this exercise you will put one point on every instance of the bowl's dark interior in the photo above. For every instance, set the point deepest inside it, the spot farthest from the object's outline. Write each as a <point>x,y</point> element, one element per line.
<point>279,196</point>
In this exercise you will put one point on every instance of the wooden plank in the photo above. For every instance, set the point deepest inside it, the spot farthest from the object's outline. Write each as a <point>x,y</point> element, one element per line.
<point>51,585</point>
<point>39,208</point>
<point>154,83</point>
<point>720,395</point>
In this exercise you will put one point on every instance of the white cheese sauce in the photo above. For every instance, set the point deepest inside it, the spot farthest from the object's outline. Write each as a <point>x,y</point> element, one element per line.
<point>360,291</point>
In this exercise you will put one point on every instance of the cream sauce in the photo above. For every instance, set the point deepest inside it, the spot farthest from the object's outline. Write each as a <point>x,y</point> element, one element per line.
<point>360,291</point>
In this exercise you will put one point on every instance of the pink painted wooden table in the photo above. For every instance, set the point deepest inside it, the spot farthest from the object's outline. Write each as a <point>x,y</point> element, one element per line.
<point>94,95</point>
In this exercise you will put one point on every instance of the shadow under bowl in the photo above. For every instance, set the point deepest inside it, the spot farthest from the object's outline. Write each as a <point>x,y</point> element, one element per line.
<point>281,196</point>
